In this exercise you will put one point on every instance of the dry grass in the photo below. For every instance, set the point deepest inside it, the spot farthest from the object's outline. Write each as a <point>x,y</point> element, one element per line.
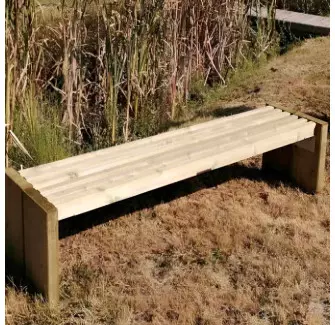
<point>235,246</point>
<point>114,71</point>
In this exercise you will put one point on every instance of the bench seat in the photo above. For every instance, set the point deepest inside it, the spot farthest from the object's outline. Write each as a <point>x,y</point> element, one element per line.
<point>38,198</point>
<point>92,180</point>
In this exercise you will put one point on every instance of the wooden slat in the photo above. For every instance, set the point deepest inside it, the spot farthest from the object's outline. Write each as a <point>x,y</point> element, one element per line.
<point>187,148</point>
<point>139,159</point>
<point>131,145</point>
<point>82,183</point>
<point>109,159</point>
<point>163,163</point>
<point>15,185</point>
<point>159,179</point>
<point>297,21</point>
<point>40,220</point>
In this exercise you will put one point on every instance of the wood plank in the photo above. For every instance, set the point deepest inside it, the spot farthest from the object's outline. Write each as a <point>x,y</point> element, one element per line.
<point>109,160</point>
<point>304,162</point>
<point>298,21</point>
<point>15,185</point>
<point>139,157</point>
<point>187,149</point>
<point>178,173</point>
<point>130,145</point>
<point>159,165</point>
<point>41,244</point>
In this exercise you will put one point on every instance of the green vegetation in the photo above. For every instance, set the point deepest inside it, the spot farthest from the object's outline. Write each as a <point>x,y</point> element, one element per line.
<point>39,129</point>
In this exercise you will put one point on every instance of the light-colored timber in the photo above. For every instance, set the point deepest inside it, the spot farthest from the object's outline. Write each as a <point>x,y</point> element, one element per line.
<point>87,182</point>
<point>32,235</point>
<point>38,198</point>
<point>298,22</point>
<point>15,187</point>
<point>304,162</point>
<point>40,223</point>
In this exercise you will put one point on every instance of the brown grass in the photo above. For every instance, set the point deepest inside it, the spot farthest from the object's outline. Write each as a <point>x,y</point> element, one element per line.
<point>236,246</point>
<point>114,71</point>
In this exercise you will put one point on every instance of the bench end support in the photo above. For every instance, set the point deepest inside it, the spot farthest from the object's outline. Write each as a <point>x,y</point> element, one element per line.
<point>32,236</point>
<point>304,162</point>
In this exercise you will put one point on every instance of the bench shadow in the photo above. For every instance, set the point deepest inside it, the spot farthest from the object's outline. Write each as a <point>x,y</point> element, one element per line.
<point>85,221</point>
<point>77,224</point>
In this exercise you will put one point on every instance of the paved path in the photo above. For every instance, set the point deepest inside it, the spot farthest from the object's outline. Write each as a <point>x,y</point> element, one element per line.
<point>300,22</point>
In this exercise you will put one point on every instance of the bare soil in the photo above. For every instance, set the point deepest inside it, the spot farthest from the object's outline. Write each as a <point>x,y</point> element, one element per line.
<point>235,246</point>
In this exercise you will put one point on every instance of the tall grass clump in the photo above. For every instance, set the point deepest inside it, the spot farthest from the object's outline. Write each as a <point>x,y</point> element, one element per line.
<point>102,72</point>
<point>40,131</point>
<point>27,122</point>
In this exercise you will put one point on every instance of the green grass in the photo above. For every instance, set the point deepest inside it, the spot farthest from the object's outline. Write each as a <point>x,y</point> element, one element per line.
<point>38,129</point>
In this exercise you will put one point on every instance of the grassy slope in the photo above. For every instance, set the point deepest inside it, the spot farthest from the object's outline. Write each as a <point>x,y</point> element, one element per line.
<point>235,246</point>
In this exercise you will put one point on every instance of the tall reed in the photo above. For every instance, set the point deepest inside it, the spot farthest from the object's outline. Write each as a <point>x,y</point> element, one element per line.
<point>120,68</point>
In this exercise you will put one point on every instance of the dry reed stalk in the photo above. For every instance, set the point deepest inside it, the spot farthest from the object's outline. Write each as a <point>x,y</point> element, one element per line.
<point>73,31</point>
<point>120,61</point>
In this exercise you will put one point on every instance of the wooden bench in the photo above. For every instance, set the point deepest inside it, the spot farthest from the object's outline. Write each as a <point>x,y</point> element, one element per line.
<point>297,22</point>
<point>38,198</point>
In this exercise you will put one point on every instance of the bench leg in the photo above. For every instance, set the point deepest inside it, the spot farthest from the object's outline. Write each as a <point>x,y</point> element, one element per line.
<point>304,162</point>
<point>40,221</point>
<point>15,186</point>
<point>32,233</point>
